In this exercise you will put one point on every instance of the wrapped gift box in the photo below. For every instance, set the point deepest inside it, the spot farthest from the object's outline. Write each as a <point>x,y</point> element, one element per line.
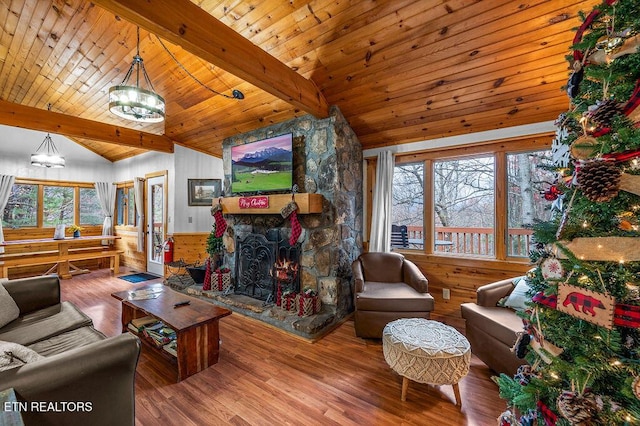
<point>288,301</point>
<point>221,281</point>
<point>308,304</point>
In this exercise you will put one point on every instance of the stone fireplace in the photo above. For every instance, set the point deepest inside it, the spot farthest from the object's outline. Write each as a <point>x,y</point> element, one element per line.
<point>327,160</point>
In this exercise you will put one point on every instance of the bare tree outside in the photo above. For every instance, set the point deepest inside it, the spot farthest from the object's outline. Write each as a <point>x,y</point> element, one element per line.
<point>463,192</point>
<point>529,176</point>
<point>408,194</point>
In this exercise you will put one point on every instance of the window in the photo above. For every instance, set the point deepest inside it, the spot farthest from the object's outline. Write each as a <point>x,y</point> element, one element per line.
<point>121,205</point>
<point>90,210</point>
<point>22,208</point>
<point>58,204</point>
<point>131,207</point>
<point>474,201</point>
<point>529,176</point>
<point>408,201</point>
<point>464,205</point>
<point>43,204</point>
<point>125,206</point>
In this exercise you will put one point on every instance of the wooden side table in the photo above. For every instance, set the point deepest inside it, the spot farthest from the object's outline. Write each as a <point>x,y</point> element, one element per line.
<point>426,351</point>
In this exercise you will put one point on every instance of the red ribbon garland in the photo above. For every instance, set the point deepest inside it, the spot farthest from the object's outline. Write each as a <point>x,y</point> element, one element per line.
<point>622,156</point>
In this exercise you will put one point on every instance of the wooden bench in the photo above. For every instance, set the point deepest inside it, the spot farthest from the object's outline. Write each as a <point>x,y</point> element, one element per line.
<point>62,260</point>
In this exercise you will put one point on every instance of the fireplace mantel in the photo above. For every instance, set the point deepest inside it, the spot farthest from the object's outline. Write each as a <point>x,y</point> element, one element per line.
<point>307,203</point>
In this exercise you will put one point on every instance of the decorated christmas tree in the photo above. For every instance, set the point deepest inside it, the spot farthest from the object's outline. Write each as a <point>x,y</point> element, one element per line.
<point>581,335</point>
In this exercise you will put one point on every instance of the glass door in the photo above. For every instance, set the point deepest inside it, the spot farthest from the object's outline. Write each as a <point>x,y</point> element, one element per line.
<point>155,225</point>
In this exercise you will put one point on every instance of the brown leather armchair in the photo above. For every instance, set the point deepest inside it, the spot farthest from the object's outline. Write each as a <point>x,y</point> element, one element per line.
<point>387,287</point>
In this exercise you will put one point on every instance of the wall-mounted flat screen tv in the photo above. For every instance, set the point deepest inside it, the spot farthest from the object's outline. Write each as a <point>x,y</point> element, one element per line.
<point>262,166</point>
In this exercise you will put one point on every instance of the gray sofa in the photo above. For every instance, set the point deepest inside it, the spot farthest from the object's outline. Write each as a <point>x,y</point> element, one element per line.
<point>491,329</point>
<point>83,377</point>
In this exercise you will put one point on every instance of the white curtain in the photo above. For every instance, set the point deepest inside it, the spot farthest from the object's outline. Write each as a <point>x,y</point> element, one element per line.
<point>6,183</point>
<point>380,237</point>
<point>138,189</point>
<point>107,197</point>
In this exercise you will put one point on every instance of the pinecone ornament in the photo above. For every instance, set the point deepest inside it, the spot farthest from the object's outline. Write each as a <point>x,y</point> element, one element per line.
<point>599,180</point>
<point>603,112</point>
<point>579,409</point>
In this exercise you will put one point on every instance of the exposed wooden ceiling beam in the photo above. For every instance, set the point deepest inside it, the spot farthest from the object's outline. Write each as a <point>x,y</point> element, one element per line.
<point>46,121</point>
<point>187,25</point>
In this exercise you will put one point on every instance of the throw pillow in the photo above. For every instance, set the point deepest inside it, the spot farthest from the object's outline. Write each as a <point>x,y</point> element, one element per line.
<point>8,308</point>
<point>516,300</point>
<point>13,355</point>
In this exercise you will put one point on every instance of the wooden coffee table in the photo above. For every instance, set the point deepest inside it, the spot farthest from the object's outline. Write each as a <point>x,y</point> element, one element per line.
<point>195,324</point>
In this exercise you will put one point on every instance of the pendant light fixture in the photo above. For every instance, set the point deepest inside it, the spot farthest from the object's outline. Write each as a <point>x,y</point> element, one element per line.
<point>134,102</point>
<point>47,155</point>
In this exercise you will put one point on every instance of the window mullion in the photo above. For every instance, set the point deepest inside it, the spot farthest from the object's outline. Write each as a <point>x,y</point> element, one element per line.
<point>501,206</point>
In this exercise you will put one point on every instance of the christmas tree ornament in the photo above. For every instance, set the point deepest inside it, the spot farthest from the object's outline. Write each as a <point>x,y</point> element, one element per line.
<point>522,342</point>
<point>586,304</point>
<point>529,419</point>
<point>545,349</point>
<point>552,193</point>
<point>551,269</point>
<point>221,224</point>
<point>603,112</point>
<point>599,180</point>
<point>565,217</point>
<point>636,387</point>
<point>560,148</point>
<point>577,408</point>
<point>508,419</point>
<point>573,85</point>
<point>524,374</point>
<point>584,148</point>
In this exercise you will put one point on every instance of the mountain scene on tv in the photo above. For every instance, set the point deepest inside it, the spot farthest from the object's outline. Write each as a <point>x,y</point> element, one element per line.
<point>262,166</point>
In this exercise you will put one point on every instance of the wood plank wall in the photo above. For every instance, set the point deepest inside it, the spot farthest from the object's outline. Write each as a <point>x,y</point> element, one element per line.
<point>461,275</point>
<point>190,247</point>
<point>128,242</point>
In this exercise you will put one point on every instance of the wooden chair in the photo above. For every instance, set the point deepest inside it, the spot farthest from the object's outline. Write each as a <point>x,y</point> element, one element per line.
<point>399,236</point>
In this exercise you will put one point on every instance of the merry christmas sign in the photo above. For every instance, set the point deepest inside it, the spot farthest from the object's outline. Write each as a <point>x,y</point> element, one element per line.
<point>586,304</point>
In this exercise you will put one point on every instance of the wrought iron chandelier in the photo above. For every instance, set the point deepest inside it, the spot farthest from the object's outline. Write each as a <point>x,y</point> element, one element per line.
<point>47,155</point>
<point>134,102</point>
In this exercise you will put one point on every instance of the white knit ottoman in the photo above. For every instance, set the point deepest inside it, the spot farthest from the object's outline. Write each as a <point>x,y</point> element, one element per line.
<point>426,352</point>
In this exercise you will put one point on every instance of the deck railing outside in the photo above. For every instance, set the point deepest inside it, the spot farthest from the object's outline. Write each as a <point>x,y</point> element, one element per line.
<point>471,241</point>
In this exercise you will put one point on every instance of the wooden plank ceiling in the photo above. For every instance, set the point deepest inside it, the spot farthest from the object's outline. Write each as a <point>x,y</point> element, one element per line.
<point>399,70</point>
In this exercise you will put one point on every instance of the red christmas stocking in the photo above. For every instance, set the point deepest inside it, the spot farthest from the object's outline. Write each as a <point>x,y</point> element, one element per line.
<point>296,229</point>
<point>221,224</point>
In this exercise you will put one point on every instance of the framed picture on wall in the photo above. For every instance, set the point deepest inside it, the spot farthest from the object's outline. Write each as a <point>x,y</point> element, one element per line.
<point>202,192</point>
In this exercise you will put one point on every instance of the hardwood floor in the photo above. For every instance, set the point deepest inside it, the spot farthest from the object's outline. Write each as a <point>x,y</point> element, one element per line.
<point>269,377</point>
